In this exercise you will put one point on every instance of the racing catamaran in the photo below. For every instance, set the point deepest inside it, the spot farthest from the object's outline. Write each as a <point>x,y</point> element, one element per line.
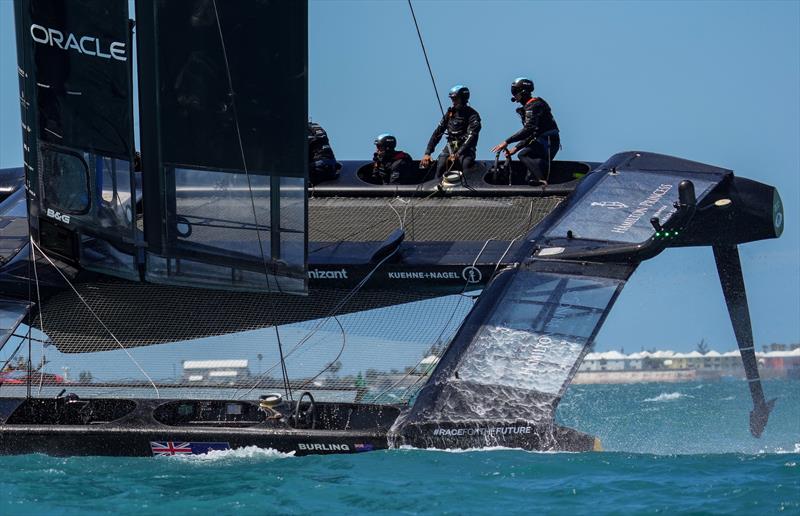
<point>213,300</point>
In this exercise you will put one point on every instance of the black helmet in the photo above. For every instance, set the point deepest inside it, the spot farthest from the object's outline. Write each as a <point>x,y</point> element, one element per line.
<point>520,85</point>
<point>386,142</point>
<point>459,91</point>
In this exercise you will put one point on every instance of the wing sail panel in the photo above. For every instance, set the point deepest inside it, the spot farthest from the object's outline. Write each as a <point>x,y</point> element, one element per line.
<point>516,354</point>
<point>223,111</point>
<point>538,332</point>
<point>222,98</point>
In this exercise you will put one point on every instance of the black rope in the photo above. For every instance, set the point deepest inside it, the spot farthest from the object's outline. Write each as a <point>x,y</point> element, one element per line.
<point>427,62</point>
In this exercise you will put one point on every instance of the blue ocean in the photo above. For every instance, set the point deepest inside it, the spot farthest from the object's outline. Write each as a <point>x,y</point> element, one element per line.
<point>669,448</point>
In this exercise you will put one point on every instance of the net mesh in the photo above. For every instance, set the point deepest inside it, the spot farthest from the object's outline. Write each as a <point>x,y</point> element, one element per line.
<point>142,314</point>
<point>378,348</point>
<point>431,219</point>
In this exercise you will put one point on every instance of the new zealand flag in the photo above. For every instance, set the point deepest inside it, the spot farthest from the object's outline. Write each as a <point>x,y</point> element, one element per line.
<point>164,448</point>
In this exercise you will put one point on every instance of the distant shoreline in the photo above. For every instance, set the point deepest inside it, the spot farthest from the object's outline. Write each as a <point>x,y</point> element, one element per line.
<point>663,376</point>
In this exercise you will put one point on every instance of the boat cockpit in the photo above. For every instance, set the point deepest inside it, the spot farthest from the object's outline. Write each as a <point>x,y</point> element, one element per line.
<point>486,177</point>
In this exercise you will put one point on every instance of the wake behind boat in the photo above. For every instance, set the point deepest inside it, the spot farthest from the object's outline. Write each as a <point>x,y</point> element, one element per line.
<point>449,312</point>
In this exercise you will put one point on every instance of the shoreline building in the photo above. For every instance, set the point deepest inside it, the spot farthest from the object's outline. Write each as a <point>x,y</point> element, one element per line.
<point>667,365</point>
<point>215,371</point>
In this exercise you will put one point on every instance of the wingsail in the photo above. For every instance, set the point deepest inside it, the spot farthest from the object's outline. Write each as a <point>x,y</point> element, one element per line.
<point>217,197</point>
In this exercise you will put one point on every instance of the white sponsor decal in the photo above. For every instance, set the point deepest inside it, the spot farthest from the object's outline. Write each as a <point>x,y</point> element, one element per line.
<point>424,275</point>
<point>87,45</point>
<point>611,205</point>
<point>58,216</point>
<point>471,274</point>
<point>501,430</point>
<point>323,447</point>
<point>321,274</point>
<point>643,208</point>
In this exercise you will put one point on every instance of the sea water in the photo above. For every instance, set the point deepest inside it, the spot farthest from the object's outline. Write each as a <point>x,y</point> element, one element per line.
<point>679,447</point>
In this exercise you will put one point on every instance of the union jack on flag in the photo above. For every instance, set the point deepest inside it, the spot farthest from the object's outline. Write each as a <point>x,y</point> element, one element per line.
<point>170,448</point>
<point>167,448</point>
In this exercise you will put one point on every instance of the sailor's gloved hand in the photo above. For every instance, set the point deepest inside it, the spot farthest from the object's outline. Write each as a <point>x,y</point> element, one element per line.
<point>500,147</point>
<point>425,162</point>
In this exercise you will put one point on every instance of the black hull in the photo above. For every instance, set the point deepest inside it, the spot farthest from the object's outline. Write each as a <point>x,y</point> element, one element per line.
<point>149,429</point>
<point>486,434</point>
<point>130,442</point>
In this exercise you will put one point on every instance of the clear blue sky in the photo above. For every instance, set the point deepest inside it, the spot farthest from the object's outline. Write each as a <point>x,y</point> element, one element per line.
<point>717,82</point>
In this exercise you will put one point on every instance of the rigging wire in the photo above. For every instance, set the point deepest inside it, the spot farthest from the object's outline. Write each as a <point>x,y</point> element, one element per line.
<point>335,359</point>
<point>453,313</point>
<point>322,321</point>
<point>286,383</point>
<point>427,61</point>
<point>68,282</point>
<point>430,72</point>
<point>23,337</point>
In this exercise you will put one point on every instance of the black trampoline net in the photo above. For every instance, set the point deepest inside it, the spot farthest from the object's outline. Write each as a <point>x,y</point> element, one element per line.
<point>427,219</point>
<point>174,342</point>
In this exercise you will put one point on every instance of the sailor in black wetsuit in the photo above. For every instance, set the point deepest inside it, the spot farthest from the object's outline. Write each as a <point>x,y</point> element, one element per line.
<point>389,164</point>
<point>462,125</point>
<point>322,164</point>
<point>538,139</point>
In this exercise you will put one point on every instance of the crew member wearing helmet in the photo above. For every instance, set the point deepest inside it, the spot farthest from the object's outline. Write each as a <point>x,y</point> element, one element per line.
<point>322,164</point>
<point>462,125</point>
<point>389,164</point>
<point>538,139</point>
